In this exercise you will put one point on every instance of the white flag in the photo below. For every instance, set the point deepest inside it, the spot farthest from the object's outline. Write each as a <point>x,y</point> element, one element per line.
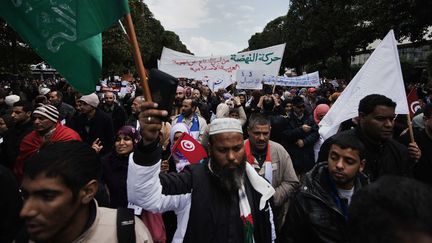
<point>381,74</point>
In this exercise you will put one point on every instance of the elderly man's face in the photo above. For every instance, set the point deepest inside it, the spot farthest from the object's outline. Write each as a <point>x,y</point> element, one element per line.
<point>109,98</point>
<point>228,159</point>
<point>136,105</point>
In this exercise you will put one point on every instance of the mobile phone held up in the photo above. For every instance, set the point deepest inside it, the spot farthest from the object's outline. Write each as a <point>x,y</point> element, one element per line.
<point>163,89</point>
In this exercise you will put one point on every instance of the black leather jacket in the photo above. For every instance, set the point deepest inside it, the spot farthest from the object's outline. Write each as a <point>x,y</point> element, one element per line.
<point>314,215</point>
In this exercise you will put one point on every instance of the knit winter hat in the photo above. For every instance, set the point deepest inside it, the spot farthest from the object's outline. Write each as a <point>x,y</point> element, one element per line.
<point>91,99</point>
<point>47,111</point>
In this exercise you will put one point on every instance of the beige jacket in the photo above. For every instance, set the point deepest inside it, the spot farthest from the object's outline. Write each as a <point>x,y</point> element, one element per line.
<point>104,229</point>
<point>285,180</point>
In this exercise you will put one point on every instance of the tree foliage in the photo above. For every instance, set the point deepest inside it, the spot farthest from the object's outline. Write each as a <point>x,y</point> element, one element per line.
<point>408,18</point>
<point>318,32</point>
<point>14,53</point>
<point>151,35</point>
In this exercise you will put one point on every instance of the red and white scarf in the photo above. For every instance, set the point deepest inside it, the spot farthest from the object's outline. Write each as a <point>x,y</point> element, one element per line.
<point>266,169</point>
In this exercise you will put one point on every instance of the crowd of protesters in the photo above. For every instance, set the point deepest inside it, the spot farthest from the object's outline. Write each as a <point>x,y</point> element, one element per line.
<point>268,178</point>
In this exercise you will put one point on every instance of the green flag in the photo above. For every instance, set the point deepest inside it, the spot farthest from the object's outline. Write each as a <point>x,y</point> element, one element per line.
<point>66,33</point>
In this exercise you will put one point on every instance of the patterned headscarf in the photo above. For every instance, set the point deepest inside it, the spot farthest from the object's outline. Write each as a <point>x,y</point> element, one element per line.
<point>179,127</point>
<point>131,132</point>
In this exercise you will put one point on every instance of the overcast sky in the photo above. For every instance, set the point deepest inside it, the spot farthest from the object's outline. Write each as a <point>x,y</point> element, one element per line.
<point>216,27</point>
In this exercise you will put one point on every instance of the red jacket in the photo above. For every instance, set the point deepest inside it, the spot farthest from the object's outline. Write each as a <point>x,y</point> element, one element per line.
<point>33,141</point>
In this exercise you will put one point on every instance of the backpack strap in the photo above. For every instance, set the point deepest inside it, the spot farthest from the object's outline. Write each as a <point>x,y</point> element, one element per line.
<point>125,225</point>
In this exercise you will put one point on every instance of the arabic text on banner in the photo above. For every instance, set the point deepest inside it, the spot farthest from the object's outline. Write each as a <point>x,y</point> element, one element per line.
<point>249,79</point>
<point>307,80</point>
<point>221,69</point>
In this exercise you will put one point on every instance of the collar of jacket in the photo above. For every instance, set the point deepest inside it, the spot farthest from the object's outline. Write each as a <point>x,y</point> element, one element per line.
<point>316,184</point>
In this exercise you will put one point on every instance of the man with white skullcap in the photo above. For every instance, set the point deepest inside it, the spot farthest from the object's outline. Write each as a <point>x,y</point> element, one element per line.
<point>47,128</point>
<point>222,199</point>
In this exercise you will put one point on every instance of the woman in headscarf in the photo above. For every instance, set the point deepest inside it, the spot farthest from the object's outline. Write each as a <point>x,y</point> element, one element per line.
<point>115,165</point>
<point>318,114</point>
<point>178,161</point>
<point>115,170</point>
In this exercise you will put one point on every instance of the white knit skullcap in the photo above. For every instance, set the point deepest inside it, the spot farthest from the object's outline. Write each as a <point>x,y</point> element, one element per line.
<point>222,125</point>
<point>11,99</point>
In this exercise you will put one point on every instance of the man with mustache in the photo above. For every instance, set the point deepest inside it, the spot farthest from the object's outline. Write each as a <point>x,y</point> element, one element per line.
<point>319,211</point>
<point>220,200</point>
<point>272,162</point>
<point>376,114</point>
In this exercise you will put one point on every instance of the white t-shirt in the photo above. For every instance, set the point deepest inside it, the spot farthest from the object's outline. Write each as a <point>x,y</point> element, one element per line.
<point>346,194</point>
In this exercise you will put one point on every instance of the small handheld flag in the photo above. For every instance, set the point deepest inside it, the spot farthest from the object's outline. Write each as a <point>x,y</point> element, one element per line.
<point>190,148</point>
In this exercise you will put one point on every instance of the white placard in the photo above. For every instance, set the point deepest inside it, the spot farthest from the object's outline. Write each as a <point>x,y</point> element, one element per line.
<point>307,80</point>
<point>249,79</point>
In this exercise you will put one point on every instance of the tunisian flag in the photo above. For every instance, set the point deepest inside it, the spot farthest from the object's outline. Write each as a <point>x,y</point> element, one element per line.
<point>413,102</point>
<point>190,148</point>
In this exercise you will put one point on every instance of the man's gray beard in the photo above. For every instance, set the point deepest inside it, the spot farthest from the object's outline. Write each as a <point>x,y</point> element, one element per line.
<point>231,180</point>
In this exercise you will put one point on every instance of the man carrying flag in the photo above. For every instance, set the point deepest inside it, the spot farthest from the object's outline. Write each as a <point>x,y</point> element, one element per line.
<point>383,154</point>
<point>221,200</point>
<point>375,95</point>
<point>66,33</point>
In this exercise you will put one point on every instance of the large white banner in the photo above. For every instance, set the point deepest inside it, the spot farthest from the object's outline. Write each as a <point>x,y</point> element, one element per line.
<point>221,69</point>
<point>307,80</point>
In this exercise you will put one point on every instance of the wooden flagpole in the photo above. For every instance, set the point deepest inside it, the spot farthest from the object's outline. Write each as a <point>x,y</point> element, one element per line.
<point>137,57</point>
<point>410,129</point>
